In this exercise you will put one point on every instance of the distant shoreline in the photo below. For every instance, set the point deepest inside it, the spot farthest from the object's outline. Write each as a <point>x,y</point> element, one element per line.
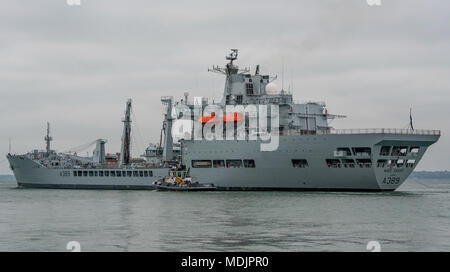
<point>431,174</point>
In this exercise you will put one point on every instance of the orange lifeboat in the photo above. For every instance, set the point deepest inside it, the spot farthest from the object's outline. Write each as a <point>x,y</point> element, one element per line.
<point>235,117</point>
<point>212,118</point>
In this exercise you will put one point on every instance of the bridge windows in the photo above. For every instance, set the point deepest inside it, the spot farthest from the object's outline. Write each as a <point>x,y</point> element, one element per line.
<point>218,163</point>
<point>414,150</point>
<point>362,151</point>
<point>382,163</point>
<point>385,151</point>
<point>239,99</point>
<point>410,163</point>
<point>201,164</point>
<point>399,151</point>
<point>396,163</point>
<point>234,163</point>
<point>249,164</point>
<point>300,163</point>
<point>105,173</point>
<point>249,88</point>
<point>364,163</point>
<point>400,163</point>
<point>333,163</point>
<point>342,151</point>
<point>348,163</point>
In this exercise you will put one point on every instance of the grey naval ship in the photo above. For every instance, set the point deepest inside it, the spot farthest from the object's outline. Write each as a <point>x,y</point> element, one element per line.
<point>68,170</point>
<point>310,154</point>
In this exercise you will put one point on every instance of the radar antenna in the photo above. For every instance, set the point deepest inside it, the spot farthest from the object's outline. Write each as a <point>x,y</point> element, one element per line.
<point>232,56</point>
<point>230,67</point>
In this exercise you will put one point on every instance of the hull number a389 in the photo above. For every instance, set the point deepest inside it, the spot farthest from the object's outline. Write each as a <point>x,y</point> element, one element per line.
<point>392,180</point>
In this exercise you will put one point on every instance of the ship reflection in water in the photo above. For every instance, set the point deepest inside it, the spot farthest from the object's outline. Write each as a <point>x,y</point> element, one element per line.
<point>415,218</point>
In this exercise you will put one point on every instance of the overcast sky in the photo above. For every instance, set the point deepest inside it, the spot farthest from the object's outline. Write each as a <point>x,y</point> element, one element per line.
<point>75,66</point>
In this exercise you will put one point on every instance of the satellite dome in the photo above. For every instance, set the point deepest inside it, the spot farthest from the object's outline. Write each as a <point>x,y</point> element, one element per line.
<point>271,88</point>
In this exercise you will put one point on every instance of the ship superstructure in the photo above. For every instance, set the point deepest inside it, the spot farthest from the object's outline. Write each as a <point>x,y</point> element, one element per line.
<point>311,154</point>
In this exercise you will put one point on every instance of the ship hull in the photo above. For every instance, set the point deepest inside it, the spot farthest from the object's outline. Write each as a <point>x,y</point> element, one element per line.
<point>274,169</point>
<point>29,174</point>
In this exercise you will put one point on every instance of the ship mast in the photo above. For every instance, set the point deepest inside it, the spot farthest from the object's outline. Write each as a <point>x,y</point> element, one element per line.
<point>168,140</point>
<point>48,139</point>
<point>229,70</point>
<point>126,142</point>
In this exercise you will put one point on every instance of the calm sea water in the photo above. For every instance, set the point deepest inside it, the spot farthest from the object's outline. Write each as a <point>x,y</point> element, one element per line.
<point>416,218</point>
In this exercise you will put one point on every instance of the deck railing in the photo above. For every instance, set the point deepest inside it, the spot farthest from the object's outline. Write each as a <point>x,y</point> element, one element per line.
<point>393,131</point>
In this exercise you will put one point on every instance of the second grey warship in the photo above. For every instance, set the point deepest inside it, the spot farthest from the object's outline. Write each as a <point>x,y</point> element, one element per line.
<point>68,170</point>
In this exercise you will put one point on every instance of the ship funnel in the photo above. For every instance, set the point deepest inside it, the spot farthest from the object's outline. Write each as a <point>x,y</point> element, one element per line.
<point>99,151</point>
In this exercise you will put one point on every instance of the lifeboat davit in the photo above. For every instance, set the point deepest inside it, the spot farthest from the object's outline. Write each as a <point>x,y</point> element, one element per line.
<point>212,118</point>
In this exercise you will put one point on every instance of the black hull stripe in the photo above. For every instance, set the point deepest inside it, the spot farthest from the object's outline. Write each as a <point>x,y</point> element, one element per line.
<point>138,187</point>
<point>85,186</point>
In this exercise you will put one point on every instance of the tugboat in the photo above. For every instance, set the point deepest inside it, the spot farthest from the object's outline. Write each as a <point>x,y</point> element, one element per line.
<point>181,181</point>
